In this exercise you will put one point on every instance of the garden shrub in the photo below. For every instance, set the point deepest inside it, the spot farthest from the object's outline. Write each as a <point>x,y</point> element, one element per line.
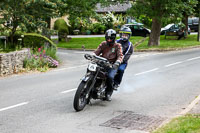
<point>41,59</point>
<point>33,40</point>
<point>62,27</point>
<point>98,27</point>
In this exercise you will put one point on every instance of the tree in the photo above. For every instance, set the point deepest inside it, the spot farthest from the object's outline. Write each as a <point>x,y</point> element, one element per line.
<point>157,10</point>
<point>187,9</point>
<point>27,15</point>
<point>32,15</point>
<point>62,28</point>
<point>198,38</point>
<point>197,13</point>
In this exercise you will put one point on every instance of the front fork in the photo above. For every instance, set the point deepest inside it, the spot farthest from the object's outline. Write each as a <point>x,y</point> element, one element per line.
<point>88,77</point>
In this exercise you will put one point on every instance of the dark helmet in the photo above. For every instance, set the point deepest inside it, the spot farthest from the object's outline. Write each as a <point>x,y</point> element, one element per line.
<point>125,30</point>
<point>110,36</point>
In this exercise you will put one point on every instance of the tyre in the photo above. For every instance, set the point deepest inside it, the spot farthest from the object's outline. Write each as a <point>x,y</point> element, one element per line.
<point>81,97</point>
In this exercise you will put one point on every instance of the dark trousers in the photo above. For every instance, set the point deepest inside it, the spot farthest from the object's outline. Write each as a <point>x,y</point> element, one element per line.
<point>120,73</point>
<point>181,35</point>
<point>111,74</point>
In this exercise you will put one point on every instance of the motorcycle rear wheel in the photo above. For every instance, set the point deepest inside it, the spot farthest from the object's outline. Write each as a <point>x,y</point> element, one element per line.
<point>81,97</point>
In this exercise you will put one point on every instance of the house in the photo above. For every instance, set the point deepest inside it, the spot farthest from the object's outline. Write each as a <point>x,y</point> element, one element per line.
<point>117,9</point>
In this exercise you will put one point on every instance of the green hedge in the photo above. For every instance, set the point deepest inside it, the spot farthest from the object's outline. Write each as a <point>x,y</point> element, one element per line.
<point>33,40</point>
<point>61,26</point>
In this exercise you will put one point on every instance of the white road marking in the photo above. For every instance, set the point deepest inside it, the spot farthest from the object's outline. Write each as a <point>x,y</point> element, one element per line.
<point>14,106</point>
<point>173,64</point>
<point>147,71</point>
<point>67,91</point>
<point>193,58</point>
<point>190,106</point>
<point>83,52</point>
<point>70,68</point>
<point>62,53</point>
<point>145,55</point>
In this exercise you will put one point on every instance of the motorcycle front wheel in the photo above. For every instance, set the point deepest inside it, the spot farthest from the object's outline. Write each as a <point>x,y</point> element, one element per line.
<point>82,95</point>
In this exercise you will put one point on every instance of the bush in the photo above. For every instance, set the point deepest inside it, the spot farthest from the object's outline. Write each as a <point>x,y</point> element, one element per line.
<point>49,32</point>
<point>62,27</point>
<point>33,40</point>
<point>41,59</point>
<point>98,27</point>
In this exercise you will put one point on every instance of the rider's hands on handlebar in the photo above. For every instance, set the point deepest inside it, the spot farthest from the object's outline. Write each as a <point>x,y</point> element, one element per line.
<point>116,65</point>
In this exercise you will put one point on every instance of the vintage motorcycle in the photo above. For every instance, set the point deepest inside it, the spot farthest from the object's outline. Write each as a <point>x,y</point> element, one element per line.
<point>94,82</point>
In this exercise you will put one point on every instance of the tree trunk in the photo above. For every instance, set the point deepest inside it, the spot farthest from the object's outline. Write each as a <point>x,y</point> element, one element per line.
<point>48,20</point>
<point>154,39</point>
<point>12,39</point>
<point>185,21</point>
<point>12,36</point>
<point>198,37</point>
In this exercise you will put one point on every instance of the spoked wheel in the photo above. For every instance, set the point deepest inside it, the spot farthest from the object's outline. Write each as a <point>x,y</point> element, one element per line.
<point>82,97</point>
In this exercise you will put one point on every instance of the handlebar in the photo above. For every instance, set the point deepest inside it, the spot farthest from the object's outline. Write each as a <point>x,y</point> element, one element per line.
<point>99,60</point>
<point>88,56</point>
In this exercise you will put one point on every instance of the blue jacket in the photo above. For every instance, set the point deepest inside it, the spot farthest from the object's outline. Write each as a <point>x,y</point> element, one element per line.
<point>127,49</point>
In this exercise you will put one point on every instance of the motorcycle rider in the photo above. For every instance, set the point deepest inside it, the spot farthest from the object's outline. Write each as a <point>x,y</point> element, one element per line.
<point>112,51</point>
<point>127,47</point>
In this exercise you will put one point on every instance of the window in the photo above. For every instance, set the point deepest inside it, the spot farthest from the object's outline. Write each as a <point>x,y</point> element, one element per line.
<point>196,20</point>
<point>136,27</point>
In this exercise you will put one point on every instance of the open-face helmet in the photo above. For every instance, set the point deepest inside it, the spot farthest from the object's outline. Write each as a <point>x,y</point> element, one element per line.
<point>125,33</point>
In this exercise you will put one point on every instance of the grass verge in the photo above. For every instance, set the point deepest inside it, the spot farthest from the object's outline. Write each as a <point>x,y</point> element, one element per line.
<point>165,44</point>
<point>89,43</point>
<point>185,124</point>
<point>171,43</point>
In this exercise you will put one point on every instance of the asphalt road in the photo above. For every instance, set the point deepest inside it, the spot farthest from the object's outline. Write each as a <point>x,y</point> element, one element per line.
<point>155,84</point>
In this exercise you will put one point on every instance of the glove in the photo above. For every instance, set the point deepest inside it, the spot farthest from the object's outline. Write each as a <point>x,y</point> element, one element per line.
<point>116,65</point>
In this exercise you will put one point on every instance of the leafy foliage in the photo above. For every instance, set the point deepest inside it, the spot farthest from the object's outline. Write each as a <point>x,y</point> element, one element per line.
<point>39,59</point>
<point>62,27</point>
<point>26,15</point>
<point>33,40</point>
<point>158,11</point>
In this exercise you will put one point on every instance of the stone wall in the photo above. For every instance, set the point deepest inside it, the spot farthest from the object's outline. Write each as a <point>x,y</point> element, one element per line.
<point>12,62</point>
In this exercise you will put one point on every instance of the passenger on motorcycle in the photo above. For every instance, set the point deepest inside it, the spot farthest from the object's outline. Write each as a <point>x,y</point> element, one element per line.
<point>127,47</point>
<point>112,51</point>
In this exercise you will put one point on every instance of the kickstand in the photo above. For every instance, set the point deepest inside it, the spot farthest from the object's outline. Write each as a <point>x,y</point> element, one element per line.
<point>90,103</point>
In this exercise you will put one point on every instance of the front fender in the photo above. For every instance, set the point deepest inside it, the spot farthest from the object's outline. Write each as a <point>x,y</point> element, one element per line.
<point>87,77</point>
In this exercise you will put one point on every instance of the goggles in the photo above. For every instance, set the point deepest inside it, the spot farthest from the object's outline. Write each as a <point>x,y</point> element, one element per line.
<point>110,37</point>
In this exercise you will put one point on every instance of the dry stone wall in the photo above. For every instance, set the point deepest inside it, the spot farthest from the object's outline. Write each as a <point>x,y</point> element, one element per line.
<point>12,62</point>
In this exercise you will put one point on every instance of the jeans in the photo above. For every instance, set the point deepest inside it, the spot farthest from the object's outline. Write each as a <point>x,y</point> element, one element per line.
<point>118,77</point>
<point>111,75</point>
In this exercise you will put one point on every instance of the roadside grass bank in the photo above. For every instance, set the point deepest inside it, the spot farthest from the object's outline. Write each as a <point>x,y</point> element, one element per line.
<point>89,43</point>
<point>171,43</point>
<point>189,123</point>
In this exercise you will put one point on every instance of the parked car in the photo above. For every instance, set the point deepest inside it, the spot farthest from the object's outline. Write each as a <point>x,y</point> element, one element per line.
<point>172,28</point>
<point>193,23</point>
<point>138,29</point>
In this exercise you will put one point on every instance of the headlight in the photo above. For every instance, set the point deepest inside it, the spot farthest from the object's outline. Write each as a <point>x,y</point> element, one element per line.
<point>92,67</point>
